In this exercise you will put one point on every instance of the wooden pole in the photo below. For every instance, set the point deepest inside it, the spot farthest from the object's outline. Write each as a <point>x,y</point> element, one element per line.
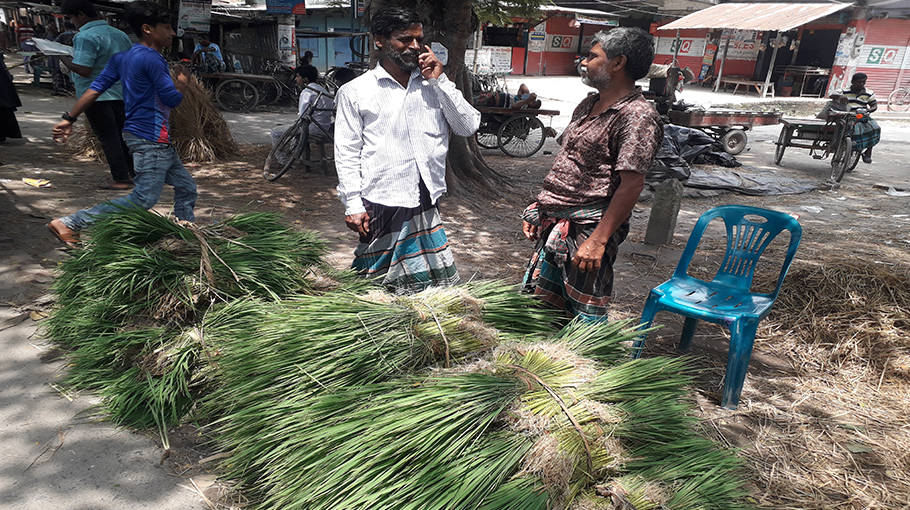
<point>764,87</point>
<point>720,71</point>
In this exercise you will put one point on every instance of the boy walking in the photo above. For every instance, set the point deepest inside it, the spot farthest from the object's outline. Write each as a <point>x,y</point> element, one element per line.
<point>148,94</point>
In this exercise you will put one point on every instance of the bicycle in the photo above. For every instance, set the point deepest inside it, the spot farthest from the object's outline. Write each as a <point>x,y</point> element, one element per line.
<point>330,81</point>
<point>285,83</point>
<point>295,142</point>
<point>899,100</point>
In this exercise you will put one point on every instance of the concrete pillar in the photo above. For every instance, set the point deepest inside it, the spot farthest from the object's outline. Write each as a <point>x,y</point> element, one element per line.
<point>662,222</point>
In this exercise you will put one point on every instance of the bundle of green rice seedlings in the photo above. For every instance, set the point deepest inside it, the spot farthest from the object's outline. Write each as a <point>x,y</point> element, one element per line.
<point>140,266</point>
<point>146,378</point>
<point>142,281</point>
<point>275,356</point>
<point>198,131</point>
<point>531,426</point>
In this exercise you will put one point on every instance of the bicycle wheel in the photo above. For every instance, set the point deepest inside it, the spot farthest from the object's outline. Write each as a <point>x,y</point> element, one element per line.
<point>782,143</point>
<point>854,159</point>
<point>236,95</point>
<point>287,151</point>
<point>899,100</point>
<point>841,158</point>
<point>520,137</point>
<point>269,93</point>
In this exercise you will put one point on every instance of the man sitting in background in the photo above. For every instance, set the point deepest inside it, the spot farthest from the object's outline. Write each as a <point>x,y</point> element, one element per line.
<point>210,54</point>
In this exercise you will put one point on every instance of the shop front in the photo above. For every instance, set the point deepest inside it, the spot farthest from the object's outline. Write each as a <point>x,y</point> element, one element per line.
<point>774,49</point>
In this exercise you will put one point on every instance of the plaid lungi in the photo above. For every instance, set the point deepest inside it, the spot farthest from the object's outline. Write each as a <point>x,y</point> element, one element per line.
<point>406,248</point>
<point>866,133</point>
<point>550,274</point>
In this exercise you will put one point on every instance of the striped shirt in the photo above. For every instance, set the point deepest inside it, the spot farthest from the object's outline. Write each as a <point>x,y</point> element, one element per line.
<point>862,99</point>
<point>388,138</point>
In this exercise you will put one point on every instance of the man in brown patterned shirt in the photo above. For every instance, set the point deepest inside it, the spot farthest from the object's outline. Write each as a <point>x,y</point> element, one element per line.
<point>583,212</point>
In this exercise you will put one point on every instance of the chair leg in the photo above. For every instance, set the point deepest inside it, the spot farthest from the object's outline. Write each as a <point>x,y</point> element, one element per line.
<point>688,332</point>
<point>742,337</point>
<point>647,317</point>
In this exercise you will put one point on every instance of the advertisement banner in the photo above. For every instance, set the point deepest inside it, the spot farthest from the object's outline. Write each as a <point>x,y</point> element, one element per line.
<point>194,17</point>
<point>491,59</point>
<point>285,6</point>
<point>688,47</point>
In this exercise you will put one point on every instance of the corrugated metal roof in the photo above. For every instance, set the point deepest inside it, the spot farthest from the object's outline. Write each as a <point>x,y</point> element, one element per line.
<point>765,16</point>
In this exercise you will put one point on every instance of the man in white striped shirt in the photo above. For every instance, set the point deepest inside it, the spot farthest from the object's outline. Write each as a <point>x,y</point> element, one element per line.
<point>391,139</point>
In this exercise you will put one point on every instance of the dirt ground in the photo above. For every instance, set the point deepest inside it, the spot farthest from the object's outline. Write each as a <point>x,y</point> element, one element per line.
<point>860,221</point>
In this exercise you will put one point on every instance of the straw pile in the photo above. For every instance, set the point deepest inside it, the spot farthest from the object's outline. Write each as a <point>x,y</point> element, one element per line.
<point>849,314</point>
<point>827,427</point>
<point>197,130</point>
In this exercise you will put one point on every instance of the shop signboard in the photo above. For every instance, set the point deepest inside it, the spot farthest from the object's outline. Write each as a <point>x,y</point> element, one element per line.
<point>194,17</point>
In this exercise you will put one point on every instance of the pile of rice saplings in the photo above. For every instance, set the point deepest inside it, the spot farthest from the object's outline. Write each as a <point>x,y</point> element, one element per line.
<point>330,393</point>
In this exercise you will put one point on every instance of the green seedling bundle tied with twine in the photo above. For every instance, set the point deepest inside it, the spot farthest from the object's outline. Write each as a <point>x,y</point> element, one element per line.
<point>329,393</point>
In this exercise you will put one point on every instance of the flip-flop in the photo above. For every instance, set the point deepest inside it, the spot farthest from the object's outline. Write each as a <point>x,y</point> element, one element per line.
<point>68,237</point>
<point>867,159</point>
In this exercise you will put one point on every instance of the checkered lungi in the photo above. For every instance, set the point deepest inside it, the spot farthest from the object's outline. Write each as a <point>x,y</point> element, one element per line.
<point>406,248</point>
<point>550,274</point>
<point>866,133</point>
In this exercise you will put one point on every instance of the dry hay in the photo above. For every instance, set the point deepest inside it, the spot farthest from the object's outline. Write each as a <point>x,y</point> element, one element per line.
<point>834,431</point>
<point>197,130</point>
<point>845,315</point>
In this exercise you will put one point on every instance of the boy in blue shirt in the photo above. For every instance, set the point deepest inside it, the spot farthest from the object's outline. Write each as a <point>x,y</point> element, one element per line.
<point>148,95</point>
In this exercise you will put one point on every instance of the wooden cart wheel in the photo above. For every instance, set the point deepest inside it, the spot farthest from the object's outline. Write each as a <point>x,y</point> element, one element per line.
<point>782,143</point>
<point>236,95</point>
<point>734,141</point>
<point>521,136</point>
<point>487,140</point>
<point>841,159</point>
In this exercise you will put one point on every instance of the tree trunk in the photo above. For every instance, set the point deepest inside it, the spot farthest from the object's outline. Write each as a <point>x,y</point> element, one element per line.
<point>452,23</point>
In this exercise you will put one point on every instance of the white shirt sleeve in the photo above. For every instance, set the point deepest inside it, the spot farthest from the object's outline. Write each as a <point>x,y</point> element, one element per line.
<point>348,145</point>
<point>463,118</point>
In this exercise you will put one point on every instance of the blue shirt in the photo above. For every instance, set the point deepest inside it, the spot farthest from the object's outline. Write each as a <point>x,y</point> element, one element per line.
<point>148,91</point>
<point>211,45</point>
<point>95,44</point>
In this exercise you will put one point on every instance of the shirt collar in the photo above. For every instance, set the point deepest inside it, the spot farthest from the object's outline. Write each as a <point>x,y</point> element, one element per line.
<point>383,74</point>
<point>91,24</point>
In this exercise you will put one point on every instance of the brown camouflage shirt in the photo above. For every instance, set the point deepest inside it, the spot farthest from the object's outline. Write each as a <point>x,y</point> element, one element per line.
<point>625,137</point>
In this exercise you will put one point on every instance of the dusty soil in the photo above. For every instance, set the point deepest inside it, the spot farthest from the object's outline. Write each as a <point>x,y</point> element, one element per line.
<point>856,221</point>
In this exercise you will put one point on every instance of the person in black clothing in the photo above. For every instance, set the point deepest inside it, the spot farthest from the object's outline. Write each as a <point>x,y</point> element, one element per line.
<point>9,101</point>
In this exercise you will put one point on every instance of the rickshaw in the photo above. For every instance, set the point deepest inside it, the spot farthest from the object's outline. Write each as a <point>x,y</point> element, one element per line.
<point>823,138</point>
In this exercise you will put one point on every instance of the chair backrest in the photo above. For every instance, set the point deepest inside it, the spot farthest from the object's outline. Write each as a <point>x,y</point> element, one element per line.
<point>746,241</point>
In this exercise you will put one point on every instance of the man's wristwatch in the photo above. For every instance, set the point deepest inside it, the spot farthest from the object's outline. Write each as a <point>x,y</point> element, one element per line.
<point>69,118</point>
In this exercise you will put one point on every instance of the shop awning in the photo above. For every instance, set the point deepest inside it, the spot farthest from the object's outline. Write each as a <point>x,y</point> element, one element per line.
<point>763,16</point>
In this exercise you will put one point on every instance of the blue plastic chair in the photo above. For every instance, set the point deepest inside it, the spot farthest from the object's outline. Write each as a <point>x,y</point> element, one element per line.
<point>727,299</point>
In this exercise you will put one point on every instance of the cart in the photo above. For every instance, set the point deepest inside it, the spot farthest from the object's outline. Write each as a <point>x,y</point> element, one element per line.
<point>726,126</point>
<point>822,138</point>
<point>517,133</point>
